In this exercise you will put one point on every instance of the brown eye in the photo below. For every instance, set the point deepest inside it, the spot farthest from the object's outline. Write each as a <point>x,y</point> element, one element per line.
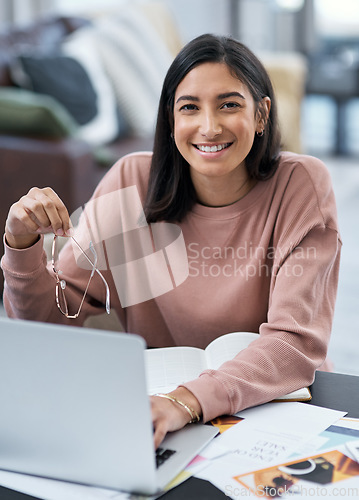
<point>188,107</point>
<point>230,105</point>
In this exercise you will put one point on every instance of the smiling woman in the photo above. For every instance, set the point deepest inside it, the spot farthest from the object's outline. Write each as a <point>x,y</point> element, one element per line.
<point>216,94</point>
<point>221,230</point>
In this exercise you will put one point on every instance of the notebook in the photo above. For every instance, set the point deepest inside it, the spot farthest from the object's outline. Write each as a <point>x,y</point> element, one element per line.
<point>74,407</point>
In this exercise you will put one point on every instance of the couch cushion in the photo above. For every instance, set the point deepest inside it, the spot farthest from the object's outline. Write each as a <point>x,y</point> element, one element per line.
<point>136,60</point>
<point>42,35</point>
<point>61,77</point>
<point>23,112</point>
<point>109,122</point>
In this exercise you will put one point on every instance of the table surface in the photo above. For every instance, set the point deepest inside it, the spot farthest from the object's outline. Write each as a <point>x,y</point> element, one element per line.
<point>330,390</point>
<point>336,391</point>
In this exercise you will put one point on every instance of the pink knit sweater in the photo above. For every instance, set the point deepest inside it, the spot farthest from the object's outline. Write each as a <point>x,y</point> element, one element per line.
<point>268,264</point>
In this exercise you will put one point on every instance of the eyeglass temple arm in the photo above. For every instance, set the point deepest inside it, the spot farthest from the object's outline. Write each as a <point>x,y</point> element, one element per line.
<point>94,268</point>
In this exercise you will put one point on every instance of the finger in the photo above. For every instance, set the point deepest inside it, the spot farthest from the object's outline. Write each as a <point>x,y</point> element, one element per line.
<point>46,209</point>
<point>158,422</point>
<point>48,230</point>
<point>42,213</point>
<point>159,434</point>
<point>60,207</point>
<point>54,208</point>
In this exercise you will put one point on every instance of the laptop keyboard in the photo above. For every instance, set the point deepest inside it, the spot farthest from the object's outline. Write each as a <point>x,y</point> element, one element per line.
<point>162,455</point>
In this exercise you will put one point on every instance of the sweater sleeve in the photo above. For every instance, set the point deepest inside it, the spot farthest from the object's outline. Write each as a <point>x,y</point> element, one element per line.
<point>30,284</point>
<point>29,291</point>
<point>293,342</point>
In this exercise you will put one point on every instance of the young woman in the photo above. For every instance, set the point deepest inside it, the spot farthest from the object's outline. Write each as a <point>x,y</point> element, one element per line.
<point>259,228</point>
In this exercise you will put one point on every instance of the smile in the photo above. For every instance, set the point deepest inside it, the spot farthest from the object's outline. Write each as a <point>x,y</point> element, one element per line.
<point>212,149</point>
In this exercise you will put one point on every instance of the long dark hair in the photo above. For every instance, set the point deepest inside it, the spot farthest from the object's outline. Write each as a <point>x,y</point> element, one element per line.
<point>170,191</point>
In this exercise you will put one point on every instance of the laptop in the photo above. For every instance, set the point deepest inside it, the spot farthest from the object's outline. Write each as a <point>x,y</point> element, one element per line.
<point>74,407</point>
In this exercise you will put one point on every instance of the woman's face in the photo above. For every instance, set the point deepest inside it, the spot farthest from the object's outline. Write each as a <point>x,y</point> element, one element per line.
<point>215,121</point>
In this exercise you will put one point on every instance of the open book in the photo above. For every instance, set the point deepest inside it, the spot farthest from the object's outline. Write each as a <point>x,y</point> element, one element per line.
<point>170,366</point>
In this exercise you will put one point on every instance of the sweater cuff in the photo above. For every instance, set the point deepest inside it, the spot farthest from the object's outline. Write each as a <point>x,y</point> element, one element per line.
<point>211,395</point>
<point>24,260</point>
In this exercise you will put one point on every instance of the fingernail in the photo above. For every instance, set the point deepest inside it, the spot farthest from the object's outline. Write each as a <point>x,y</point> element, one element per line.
<point>60,232</point>
<point>69,232</point>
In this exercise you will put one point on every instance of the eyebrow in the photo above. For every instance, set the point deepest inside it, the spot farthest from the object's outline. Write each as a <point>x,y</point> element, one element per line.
<point>230,94</point>
<point>219,97</point>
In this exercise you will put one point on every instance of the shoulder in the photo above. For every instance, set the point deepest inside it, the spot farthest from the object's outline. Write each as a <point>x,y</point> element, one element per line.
<point>306,169</point>
<point>117,203</point>
<point>305,183</point>
<point>139,159</point>
<point>130,170</point>
<point>132,167</point>
<point>303,191</point>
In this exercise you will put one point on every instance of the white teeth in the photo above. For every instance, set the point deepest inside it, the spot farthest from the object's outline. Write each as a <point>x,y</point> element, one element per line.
<point>212,149</point>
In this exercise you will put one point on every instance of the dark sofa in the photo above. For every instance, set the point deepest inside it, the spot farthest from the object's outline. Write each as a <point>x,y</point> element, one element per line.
<point>46,155</point>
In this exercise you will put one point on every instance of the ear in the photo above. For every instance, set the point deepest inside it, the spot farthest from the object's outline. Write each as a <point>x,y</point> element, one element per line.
<point>263,114</point>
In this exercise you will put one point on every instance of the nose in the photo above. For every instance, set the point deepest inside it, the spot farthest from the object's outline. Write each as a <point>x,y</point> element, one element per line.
<point>210,126</point>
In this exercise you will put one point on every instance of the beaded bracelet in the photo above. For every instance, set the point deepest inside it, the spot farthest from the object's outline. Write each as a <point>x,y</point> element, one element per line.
<point>194,415</point>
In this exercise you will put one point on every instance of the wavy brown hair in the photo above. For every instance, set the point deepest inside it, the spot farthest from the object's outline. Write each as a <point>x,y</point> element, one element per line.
<point>171,193</point>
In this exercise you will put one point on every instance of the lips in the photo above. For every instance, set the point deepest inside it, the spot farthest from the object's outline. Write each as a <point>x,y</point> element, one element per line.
<point>212,149</point>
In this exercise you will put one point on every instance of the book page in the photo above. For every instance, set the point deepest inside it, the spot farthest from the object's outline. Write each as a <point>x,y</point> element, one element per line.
<point>168,367</point>
<point>298,395</point>
<point>224,348</point>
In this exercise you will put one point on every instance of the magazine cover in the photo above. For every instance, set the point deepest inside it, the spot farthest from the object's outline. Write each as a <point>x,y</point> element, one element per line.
<point>304,476</point>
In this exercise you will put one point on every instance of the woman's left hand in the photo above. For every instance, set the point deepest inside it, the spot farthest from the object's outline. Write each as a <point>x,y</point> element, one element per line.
<point>168,416</point>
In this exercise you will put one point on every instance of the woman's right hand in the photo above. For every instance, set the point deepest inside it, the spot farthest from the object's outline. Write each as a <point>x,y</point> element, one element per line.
<point>40,211</point>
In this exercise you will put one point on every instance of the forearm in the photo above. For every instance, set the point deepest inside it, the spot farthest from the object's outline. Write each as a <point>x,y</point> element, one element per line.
<point>255,376</point>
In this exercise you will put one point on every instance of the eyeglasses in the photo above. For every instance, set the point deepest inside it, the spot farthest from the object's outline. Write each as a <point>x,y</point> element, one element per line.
<point>61,283</point>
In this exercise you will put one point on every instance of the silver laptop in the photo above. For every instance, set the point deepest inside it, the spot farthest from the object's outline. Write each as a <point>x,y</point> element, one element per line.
<point>74,407</point>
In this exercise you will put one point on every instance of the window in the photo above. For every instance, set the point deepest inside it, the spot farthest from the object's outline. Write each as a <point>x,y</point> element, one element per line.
<point>337,18</point>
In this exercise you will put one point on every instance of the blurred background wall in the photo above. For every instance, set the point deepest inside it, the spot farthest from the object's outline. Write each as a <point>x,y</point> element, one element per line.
<point>326,32</point>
